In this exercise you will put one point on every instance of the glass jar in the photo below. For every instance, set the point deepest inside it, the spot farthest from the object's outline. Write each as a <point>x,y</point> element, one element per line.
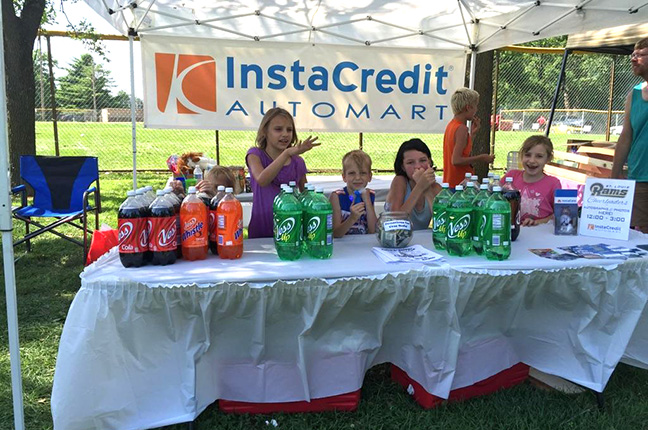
<point>394,229</point>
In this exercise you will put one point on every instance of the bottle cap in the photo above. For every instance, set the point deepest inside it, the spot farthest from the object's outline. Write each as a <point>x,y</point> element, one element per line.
<point>485,180</point>
<point>292,183</point>
<point>445,185</point>
<point>470,184</point>
<point>160,192</point>
<point>497,189</point>
<point>483,187</point>
<point>229,190</point>
<point>467,175</point>
<point>311,187</point>
<point>509,179</point>
<point>192,190</point>
<point>220,188</point>
<point>459,188</point>
<point>474,177</point>
<point>140,191</point>
<point>130,193</point>
<point>288,190</point>
<point>319,190</point>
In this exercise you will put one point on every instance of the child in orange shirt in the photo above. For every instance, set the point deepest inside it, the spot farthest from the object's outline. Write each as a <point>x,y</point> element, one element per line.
<point>457,142</point>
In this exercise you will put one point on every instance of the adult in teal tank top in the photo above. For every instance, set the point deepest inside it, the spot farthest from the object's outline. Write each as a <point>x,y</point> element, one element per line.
<point>633,141</point>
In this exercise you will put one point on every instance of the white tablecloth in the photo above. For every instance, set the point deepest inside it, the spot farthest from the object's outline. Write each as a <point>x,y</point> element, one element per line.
<point>153,346</point>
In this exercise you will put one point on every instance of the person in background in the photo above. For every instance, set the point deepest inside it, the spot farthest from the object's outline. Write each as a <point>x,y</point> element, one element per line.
<point>457,142</point>
<point>217,175</point>
<point>353,206</point>
<point>275,160</point>
<point>536,188</point>
<point>633,141</point>
<point>542,121</point>
<point>414,187</point>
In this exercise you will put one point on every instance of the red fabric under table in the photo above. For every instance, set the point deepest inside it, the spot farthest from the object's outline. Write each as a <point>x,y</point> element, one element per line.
<point>506,378</point>
<point>342,402</point>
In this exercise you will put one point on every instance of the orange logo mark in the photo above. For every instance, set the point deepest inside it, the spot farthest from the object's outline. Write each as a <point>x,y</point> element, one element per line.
<point>590,226</point>
<point>190,80</point>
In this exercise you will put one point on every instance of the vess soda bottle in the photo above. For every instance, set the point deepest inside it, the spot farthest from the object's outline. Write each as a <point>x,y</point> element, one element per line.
<point>132,227</point>
<point>143,202</point>
<point>305,199</point>
<point>470,191</point>
<point>230,226</point>
<point>440,216</point>
<point>513,196</point>
<point>475,180</point>
<point>479,219</point>
<point>194,223</point>
<point>176,202</point>
<point>319,226</point>
<point>465,180</point>
<point>497,232</point>
<point>287,219</point>
<point>163,238</point>
<point>495,181</point>
<point>213,206</point>
<point>459,231</point>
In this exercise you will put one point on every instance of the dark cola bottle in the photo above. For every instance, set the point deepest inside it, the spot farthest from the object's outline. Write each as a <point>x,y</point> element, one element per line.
<point>143,202</point>
<point>513,196</point>
<point>132,232</point>
<point>163,238</point>
<point>213,206</point>
<point>175,201</point>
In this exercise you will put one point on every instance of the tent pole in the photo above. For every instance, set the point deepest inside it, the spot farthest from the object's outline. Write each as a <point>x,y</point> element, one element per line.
<point>473,68</point>
<point>6,227</point>
<point>133,106</point>
<point>610,100</point>
<point>555,99</point>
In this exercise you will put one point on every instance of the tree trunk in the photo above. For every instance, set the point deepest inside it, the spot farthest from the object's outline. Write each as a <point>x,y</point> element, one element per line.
<point>19,36</point>
<point>484,86</point>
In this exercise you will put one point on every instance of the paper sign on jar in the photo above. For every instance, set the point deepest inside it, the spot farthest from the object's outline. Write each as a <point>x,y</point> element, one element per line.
<point>607,207</point>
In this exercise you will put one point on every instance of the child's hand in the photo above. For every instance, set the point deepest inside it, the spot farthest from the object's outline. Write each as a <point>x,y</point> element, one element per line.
<point>176,187</point>
<point>366,195</point>
<point>486,158</point>
<point>206,187</point>
<point>475,124</point>
<point>426,177</point>
<point>357,211</point>
<point>303,146</point>
<point>529,222</point>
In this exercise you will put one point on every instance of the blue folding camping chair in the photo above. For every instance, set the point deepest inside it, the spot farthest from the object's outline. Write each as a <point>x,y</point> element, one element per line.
<point>61,190</point>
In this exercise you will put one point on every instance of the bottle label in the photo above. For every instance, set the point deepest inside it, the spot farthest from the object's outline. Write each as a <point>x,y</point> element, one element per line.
<point>230,230</point>
<point>163,234</point>
<point>193,233</point>
<point>459,226</point>
<point>440,220</point>
<point>397,225</point>
<point>213,235</point>
<point>317,228</point>
<point>132,235</point>
<point>286,229</point>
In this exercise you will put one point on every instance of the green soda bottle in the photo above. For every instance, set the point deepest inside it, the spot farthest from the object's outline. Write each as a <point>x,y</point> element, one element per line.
<point>459,231</point>
<point>497,232</point>
<point>319,226</point>
<point>479,218</point>
<point>287,217</point>
<point>305,199</point>
<point>440,216</point>
<point>470,191</point>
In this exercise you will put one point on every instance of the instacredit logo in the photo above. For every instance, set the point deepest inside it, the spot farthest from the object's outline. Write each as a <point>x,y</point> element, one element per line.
<point>187,80</point>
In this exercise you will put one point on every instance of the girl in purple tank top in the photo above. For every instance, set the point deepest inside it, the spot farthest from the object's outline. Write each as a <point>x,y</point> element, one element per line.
<point>275,160</point>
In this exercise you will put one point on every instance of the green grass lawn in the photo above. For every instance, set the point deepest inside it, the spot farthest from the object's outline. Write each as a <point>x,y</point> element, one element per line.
<point>112,143</point>
<point>48,279</point>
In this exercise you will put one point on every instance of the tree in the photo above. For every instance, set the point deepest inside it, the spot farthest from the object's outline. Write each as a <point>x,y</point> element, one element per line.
<point>19,35</point>
<point>122,100</point>
<point>86,85</point>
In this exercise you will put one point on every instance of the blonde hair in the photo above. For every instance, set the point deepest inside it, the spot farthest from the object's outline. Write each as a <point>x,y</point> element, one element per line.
<point>358,156</point>
<point>262,133</point>
<point>463,97</point>
<point>537,139</point>
<point>216,171</point>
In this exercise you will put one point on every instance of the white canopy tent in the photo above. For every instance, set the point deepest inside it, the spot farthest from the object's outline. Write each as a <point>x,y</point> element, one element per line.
<point>467,25</point>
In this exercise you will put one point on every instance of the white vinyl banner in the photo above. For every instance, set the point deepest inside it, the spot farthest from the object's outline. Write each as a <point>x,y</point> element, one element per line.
<point>229,85</point>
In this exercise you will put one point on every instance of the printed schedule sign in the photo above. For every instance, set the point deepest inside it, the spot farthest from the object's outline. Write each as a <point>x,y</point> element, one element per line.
<point>607,207</point>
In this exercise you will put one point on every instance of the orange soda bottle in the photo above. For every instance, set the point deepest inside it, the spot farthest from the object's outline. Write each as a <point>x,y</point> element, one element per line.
<point>194,226</point>
<point>230,226</point>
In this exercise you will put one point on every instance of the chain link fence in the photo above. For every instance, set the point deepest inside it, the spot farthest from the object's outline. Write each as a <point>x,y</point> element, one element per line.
<point>93,113</point>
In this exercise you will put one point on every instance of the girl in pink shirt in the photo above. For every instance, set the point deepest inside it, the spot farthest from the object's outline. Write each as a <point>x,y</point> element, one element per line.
<point>536,188</point>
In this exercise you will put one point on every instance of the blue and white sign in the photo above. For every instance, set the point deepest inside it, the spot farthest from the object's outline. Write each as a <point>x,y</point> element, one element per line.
<point>207,84</point>
<point>607,208</point>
